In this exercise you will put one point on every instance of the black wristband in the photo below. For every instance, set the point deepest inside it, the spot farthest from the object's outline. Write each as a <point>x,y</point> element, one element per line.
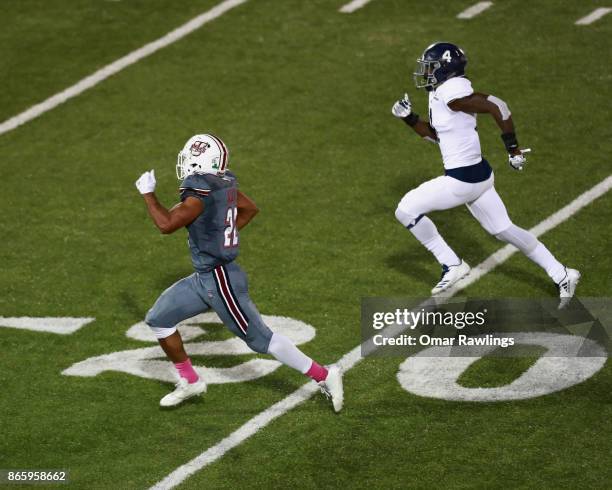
<point>411,119</point>
<point>510,141</point>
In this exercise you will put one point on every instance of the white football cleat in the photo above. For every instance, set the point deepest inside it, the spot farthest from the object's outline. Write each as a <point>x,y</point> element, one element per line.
<point>183,390</point>
<point>450,275</point>
<point>567,287</point>
<point>332,387</point>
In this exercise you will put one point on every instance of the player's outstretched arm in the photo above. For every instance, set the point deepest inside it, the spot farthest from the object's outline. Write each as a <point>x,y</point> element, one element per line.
<point>402,109</point>
<point>167,220</point>
<point>247,209</point>
<point>483,103</point>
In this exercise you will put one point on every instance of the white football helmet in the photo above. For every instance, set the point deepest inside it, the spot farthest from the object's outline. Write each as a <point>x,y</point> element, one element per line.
<point>202,154</point>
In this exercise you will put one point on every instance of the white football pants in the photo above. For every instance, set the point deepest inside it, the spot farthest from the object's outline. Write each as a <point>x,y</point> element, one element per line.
<point>446,192</point>
<point>486,206</point>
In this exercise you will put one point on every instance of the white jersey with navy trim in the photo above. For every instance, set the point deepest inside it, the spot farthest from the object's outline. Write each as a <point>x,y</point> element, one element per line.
<point>459,141</point>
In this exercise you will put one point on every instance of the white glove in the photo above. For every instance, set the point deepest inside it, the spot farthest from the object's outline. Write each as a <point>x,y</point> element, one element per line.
<point>146,183</point>
<point>402,108</point>
<point>517,161</point>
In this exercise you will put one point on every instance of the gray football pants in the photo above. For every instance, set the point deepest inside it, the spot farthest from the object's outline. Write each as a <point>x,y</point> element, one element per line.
<point>225,290</point>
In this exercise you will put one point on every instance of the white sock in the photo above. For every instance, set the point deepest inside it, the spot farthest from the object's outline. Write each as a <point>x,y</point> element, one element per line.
<point>426,232</point>
<point>286,352</point>
<point>542,256</point>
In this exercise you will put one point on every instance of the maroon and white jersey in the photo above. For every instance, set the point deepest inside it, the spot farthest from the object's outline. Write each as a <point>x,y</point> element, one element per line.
<point>213,236</point>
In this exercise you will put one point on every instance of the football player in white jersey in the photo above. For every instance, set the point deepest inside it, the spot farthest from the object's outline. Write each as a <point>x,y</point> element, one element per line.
<point>468,178</point>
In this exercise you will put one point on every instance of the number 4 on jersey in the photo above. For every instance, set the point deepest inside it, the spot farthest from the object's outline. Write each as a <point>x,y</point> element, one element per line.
<point>231,233</point>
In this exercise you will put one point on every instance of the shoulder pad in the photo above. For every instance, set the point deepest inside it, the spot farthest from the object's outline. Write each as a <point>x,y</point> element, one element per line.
<point>231,175</point>
<point>454,88</point>
<point>196,182</point>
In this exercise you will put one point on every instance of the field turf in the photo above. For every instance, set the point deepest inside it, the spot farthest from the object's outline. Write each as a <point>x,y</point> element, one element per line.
<point>301,94</point>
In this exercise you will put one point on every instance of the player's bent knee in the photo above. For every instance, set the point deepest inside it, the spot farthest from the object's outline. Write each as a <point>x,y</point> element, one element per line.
<point>258,340</point>
<point>407,218</point>
<point>522,239</point>
<point>501,236</point>
<point>497,229</point>
<point>259,345</point>
<point>399,215</point>
<point>153,320</point>
<point>162,333</point>
<point>504,235</point>
<point>157,326</point>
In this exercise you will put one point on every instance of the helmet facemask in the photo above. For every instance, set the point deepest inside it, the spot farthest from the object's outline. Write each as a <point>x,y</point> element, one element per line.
<point>185,165</point>
<point>425,73</point>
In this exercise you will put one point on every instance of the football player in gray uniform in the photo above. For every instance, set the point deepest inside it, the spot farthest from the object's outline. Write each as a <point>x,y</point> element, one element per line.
<point>213,210</point>
<point>468,178</point>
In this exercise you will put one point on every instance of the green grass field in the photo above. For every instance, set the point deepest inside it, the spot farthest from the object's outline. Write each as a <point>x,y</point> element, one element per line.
<point>301,94</point>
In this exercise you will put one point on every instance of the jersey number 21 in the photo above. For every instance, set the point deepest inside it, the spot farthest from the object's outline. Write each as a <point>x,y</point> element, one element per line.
<point>231,233</point>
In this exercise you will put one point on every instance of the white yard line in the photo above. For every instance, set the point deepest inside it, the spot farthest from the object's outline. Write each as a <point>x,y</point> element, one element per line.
<point>593,16</point>
<point>350,7</point>
<point>474,10</point>
<point>118,65</point>
<point>59,325</point>
<point>350,359</point>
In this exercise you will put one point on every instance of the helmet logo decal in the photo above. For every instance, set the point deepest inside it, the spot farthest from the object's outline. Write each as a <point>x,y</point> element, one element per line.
<point>198,148</point>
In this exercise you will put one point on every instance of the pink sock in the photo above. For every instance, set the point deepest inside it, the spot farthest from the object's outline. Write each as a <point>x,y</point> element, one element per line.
<point>186,371</point>
<point>317,372</point>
